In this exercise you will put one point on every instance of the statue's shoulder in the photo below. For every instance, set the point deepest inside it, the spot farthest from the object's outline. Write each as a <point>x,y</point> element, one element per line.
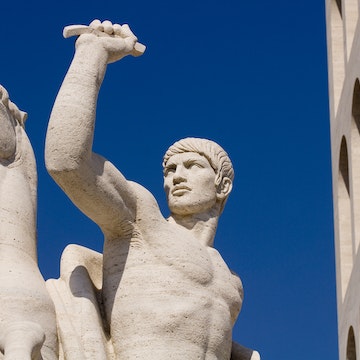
<point>146,204</point>
<point>143,195</point>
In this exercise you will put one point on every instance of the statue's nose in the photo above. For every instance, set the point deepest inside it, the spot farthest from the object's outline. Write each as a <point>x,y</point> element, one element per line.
<point>179,175</point>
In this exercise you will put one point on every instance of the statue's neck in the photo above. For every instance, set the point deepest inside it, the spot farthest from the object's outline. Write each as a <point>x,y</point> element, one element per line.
<point>201,226</point>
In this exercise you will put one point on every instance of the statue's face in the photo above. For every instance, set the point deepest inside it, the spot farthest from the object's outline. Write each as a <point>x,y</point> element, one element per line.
<point>189,182</point>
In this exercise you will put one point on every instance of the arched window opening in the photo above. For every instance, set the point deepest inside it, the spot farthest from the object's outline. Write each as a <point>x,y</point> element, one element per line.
<point>351,349</point>
<point>338,4</point>
<point>344,166</point>
<point>355,157</point>
<point>344,219</point>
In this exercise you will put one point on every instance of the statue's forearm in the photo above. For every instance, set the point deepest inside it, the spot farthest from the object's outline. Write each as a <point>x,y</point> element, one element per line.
<point>71,127</point>
<point>91,182</point>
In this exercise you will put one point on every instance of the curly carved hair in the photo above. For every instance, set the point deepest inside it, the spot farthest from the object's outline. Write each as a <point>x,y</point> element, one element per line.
<point>214,153</point>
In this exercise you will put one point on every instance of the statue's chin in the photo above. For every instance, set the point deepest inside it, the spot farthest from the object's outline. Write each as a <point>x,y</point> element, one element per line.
<point>182,208</point>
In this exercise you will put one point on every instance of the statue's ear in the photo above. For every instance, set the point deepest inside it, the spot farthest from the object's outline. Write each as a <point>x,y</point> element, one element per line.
<point>224,188</point>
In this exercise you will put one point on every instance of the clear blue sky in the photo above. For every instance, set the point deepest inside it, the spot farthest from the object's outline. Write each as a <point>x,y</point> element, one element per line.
<point>251,75</point>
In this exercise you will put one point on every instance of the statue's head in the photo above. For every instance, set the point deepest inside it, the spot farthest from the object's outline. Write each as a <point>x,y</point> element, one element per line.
<point>6,103</point>
<point>211,153</point>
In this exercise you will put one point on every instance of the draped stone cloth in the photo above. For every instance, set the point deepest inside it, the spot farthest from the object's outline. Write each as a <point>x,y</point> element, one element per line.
<point>77,298</point>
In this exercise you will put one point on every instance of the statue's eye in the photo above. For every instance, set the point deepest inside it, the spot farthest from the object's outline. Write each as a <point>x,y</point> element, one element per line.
<point>193,164</point>
<point>169,170</point>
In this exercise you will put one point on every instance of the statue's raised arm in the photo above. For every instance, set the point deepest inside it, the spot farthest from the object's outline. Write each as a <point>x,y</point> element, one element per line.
<point>91,182</point>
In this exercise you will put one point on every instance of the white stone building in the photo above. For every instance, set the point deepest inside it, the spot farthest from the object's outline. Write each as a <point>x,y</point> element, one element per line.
<point>343,42</point>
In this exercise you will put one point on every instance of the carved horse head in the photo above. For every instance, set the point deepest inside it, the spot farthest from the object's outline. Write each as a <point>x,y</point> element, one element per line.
<point>10,117</point>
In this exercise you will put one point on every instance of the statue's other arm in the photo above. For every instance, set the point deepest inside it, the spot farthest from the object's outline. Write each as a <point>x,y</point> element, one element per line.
<point>90,181</point>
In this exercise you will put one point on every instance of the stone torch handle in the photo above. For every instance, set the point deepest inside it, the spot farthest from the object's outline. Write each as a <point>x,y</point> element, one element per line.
<point>76,30</point>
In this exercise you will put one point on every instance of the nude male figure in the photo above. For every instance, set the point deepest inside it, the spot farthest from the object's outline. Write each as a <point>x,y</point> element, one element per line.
<point>166,292</point>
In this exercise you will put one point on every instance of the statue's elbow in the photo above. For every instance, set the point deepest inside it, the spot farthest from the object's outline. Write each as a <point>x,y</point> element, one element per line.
<point>59,163</point>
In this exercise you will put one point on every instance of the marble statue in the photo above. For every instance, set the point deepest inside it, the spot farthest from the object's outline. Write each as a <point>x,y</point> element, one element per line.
<point>159,290</point>
<point>27,315</point>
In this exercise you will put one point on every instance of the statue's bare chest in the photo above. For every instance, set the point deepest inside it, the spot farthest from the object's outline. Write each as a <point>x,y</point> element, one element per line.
<point>173,269</point>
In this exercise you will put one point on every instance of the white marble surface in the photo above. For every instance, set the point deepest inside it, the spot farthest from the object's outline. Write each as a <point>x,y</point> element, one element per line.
<point>165,292</point>
<point>27,315</point>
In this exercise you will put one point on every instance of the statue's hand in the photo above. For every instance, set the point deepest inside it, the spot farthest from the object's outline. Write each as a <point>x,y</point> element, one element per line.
<point>118,41</point>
